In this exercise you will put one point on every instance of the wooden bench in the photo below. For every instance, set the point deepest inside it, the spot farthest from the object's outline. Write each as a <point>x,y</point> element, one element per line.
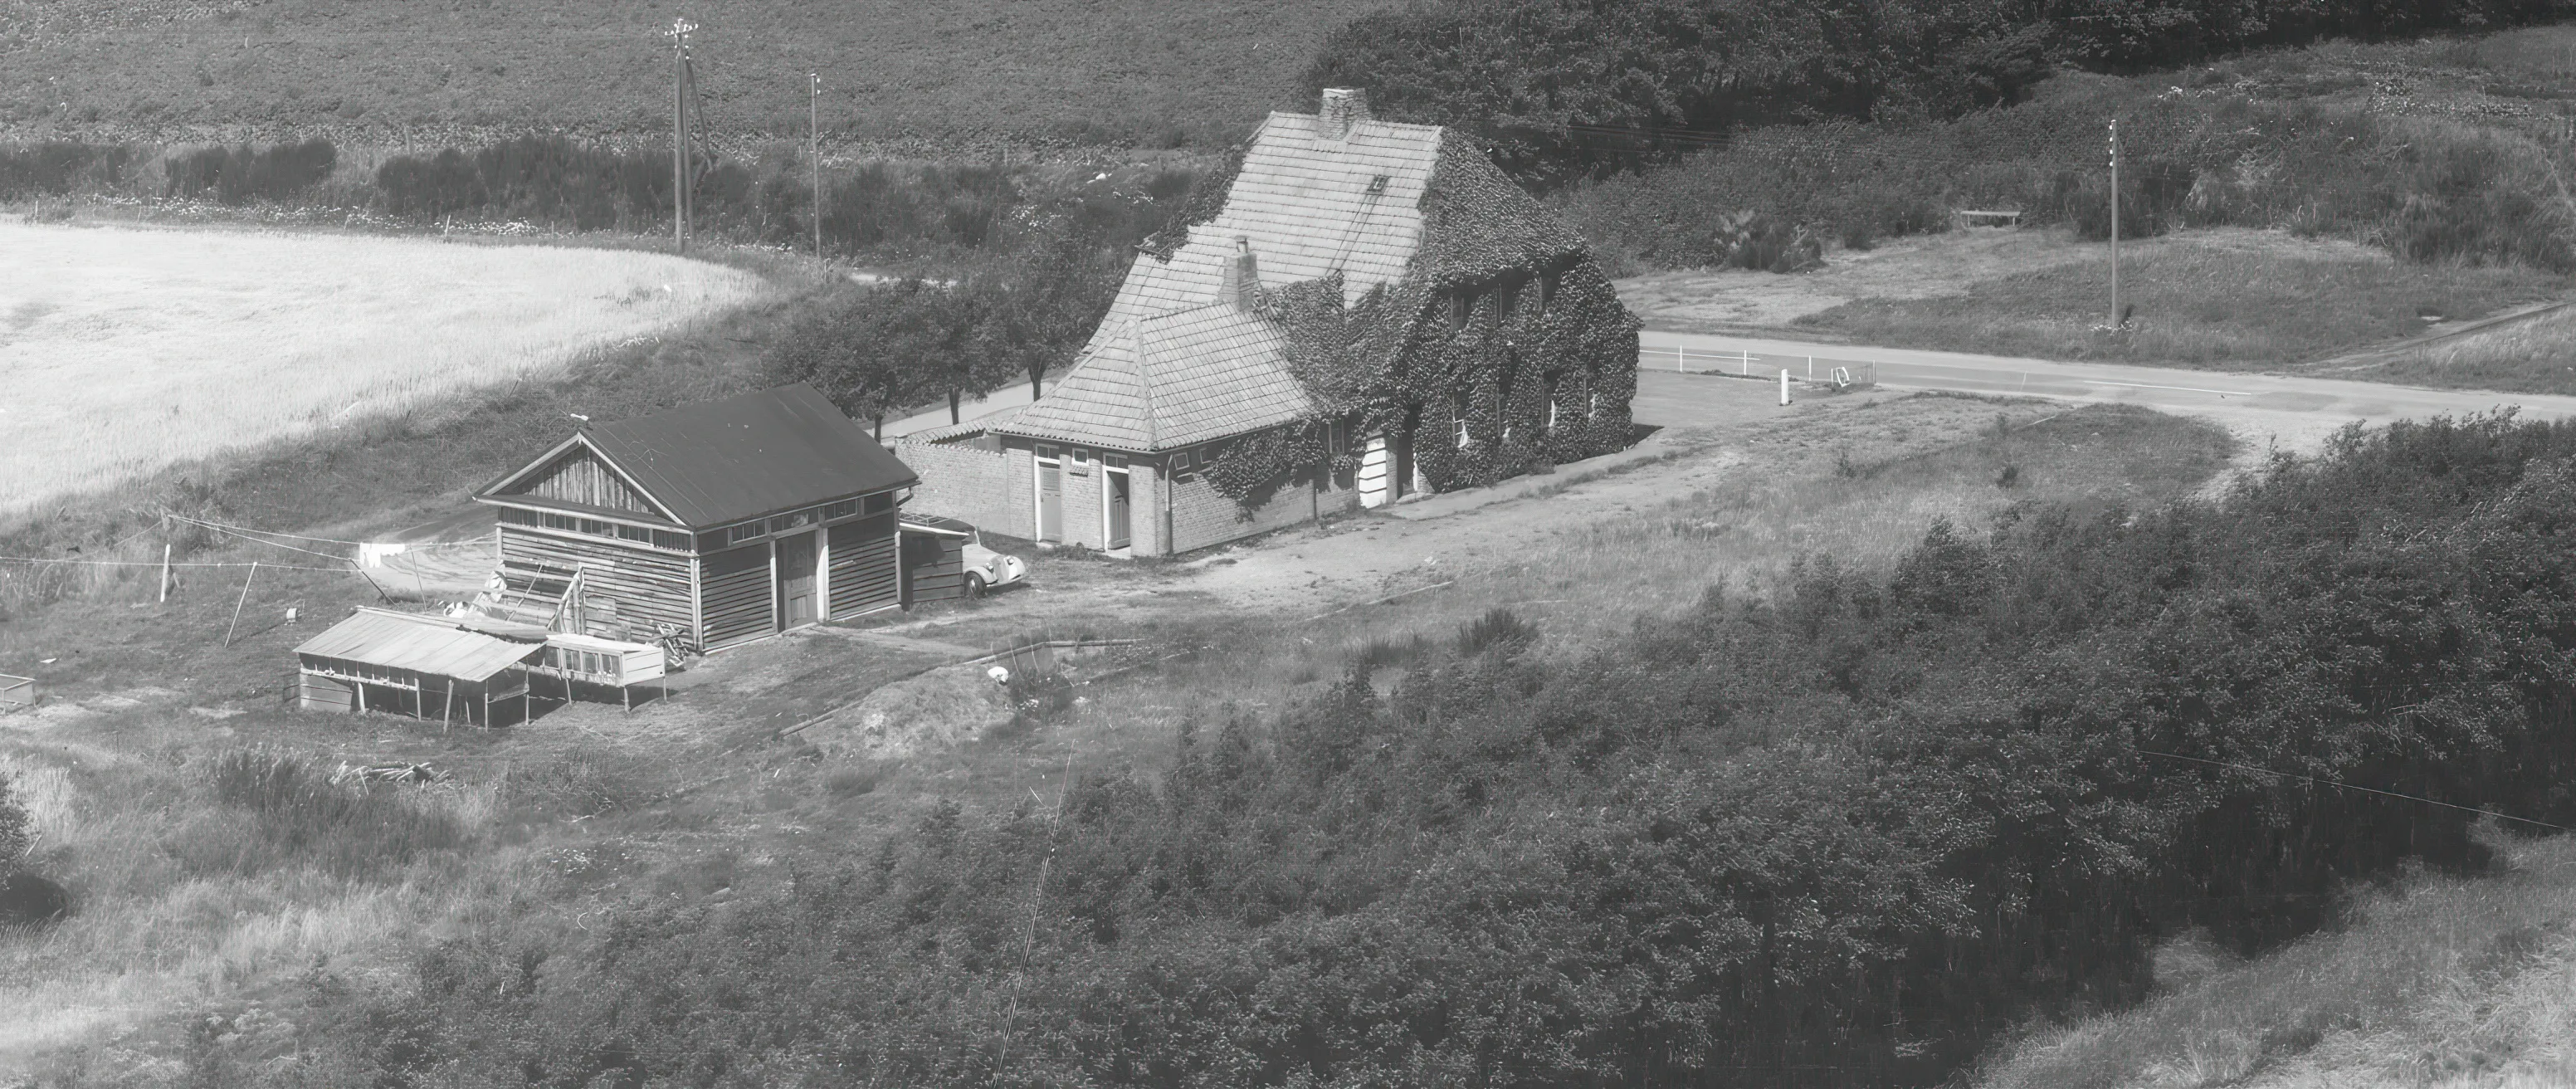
<point>1966,218</point>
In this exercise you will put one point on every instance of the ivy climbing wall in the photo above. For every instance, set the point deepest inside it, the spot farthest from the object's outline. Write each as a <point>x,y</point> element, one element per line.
<point>1502,319</point>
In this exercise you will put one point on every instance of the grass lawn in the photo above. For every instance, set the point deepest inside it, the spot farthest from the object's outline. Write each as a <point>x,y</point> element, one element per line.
<point>127,351</point>
<point>2438,981</point>
<point>2234,299</point>
<point>2534,356</point>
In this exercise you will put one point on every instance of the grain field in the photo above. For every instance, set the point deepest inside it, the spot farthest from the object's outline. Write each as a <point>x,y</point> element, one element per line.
<point>126,351</point>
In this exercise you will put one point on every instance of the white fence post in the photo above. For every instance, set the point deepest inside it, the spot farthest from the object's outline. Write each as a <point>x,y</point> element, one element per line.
<point>1677,359</point>
<point>1748,362</point>
<point>1784,385</point>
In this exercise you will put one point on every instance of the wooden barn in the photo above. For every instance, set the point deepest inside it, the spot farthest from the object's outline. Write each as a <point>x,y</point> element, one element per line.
<point>416,664</point>
<point>714,524</point>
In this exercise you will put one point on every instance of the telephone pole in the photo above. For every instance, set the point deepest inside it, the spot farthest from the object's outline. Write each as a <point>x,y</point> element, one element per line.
<point>2116,323</point>
<point>679,35</point>
<point>814,131</point>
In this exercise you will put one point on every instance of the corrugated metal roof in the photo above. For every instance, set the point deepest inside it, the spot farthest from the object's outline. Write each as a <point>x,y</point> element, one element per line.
<point>760,453</point>
<point>432,645</point>
<point>1174,380</point>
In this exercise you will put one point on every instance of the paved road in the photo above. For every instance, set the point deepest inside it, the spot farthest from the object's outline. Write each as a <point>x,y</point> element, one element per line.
<point>2297,410</point>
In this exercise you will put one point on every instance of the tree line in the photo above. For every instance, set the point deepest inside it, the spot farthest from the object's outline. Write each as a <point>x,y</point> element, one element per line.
<point>1568,88</point>
<point>1847,837</point>
<point>879,349</point>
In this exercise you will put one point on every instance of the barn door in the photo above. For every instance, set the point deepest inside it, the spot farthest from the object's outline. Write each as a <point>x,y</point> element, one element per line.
<point>796,583</point>
<point>1050,500</point>
<point>1117,499</point>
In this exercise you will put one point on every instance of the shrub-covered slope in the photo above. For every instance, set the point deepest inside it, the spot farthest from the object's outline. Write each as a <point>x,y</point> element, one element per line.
<point>1842,839</point>
<point>2436,151</point>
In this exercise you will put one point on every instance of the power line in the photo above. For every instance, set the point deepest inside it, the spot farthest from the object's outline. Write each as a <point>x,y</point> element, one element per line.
<point>2349,786</point>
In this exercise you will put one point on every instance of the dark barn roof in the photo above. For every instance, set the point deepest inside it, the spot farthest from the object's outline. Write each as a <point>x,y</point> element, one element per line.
<point>759,453</point>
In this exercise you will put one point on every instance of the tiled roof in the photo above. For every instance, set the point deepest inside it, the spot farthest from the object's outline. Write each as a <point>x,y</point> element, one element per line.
<point>1303,202</point>
<point>966,430</point>
<point>1169,381</point>
<point>1173,365</point>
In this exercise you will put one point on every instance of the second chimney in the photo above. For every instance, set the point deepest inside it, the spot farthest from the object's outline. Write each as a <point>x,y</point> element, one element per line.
<point>1242,276</point>
<point>1344,108</point>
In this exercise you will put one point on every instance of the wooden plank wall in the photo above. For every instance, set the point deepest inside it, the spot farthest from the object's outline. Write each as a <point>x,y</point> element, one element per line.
<point>739,598</point>
<point>934,567</point>
<point>649,587</point>
<point>323,693</point>
<point>863,569</point>
<point>580,477</point>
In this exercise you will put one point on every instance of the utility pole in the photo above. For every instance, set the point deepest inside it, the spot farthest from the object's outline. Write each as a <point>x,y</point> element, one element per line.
<point>814,130</point>
<point>679,35</point>
<point>2116,323</point>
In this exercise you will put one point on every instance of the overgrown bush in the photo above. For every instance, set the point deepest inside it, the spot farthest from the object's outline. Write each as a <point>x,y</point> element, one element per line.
<point>290,813</point>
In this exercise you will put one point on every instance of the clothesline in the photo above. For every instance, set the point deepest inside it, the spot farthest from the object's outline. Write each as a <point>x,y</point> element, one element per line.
<point>262,532</point>
<point>157,563</point>
<point>256,540</point>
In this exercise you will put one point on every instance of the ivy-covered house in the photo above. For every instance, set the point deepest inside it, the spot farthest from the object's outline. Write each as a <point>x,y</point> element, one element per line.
<point>1357,310</point>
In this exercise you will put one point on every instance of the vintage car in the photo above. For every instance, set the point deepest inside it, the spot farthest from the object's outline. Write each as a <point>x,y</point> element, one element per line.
<point>943,540</point>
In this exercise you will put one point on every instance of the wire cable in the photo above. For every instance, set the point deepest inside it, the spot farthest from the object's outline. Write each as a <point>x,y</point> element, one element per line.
<point>2349,786</point>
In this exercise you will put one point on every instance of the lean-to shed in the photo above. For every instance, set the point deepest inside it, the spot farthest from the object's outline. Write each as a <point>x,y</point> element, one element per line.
<point>716,524</point>
<point>415,664</point>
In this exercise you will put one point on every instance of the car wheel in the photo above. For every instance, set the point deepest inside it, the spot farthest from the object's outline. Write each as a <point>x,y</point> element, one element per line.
<point>974,584</point>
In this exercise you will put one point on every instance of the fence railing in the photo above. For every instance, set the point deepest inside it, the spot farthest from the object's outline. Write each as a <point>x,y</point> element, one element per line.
<point>1818,369</point>
<point>17,692</point>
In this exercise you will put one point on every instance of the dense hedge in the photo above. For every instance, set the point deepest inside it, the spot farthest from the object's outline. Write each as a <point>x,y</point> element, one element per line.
<point>1568,87</point>
<point>247,174</point>
<point>1843,839</point>
<point>875,208</point>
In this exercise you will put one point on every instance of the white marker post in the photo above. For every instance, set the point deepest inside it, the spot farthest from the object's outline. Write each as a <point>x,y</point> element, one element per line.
<point>1748,363</point>
<point>1784,386</point>
<point>1677,359</point>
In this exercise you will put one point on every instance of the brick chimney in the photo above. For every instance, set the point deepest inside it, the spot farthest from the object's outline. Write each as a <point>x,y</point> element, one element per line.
<point>1344,107</point>
<point>1242,276</point>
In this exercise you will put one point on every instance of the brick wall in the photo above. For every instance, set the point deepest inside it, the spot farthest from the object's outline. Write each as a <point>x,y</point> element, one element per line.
<point>962,480</point>
<point>1203,516</point>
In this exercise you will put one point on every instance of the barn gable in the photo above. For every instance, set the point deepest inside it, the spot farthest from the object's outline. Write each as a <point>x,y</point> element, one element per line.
<point>579,475</point>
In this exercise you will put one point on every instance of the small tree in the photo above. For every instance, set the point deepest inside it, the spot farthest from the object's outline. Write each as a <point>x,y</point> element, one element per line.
<point>17,828</point>
<point>852,346</point>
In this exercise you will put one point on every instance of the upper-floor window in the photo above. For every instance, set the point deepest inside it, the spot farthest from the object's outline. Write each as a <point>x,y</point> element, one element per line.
<point>1546,290</point>
<point>1458,418</point>
<point>1336,441</point>
<point>1461,303</point>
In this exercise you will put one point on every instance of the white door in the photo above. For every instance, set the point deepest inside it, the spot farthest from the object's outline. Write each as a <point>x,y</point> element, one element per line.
<point>1374,470</point>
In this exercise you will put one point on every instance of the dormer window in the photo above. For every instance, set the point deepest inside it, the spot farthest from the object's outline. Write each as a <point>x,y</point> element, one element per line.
<point>1460,303</point>
<point>1458,418</point>
<point>1546,290</point>
<point>1377,186</point>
